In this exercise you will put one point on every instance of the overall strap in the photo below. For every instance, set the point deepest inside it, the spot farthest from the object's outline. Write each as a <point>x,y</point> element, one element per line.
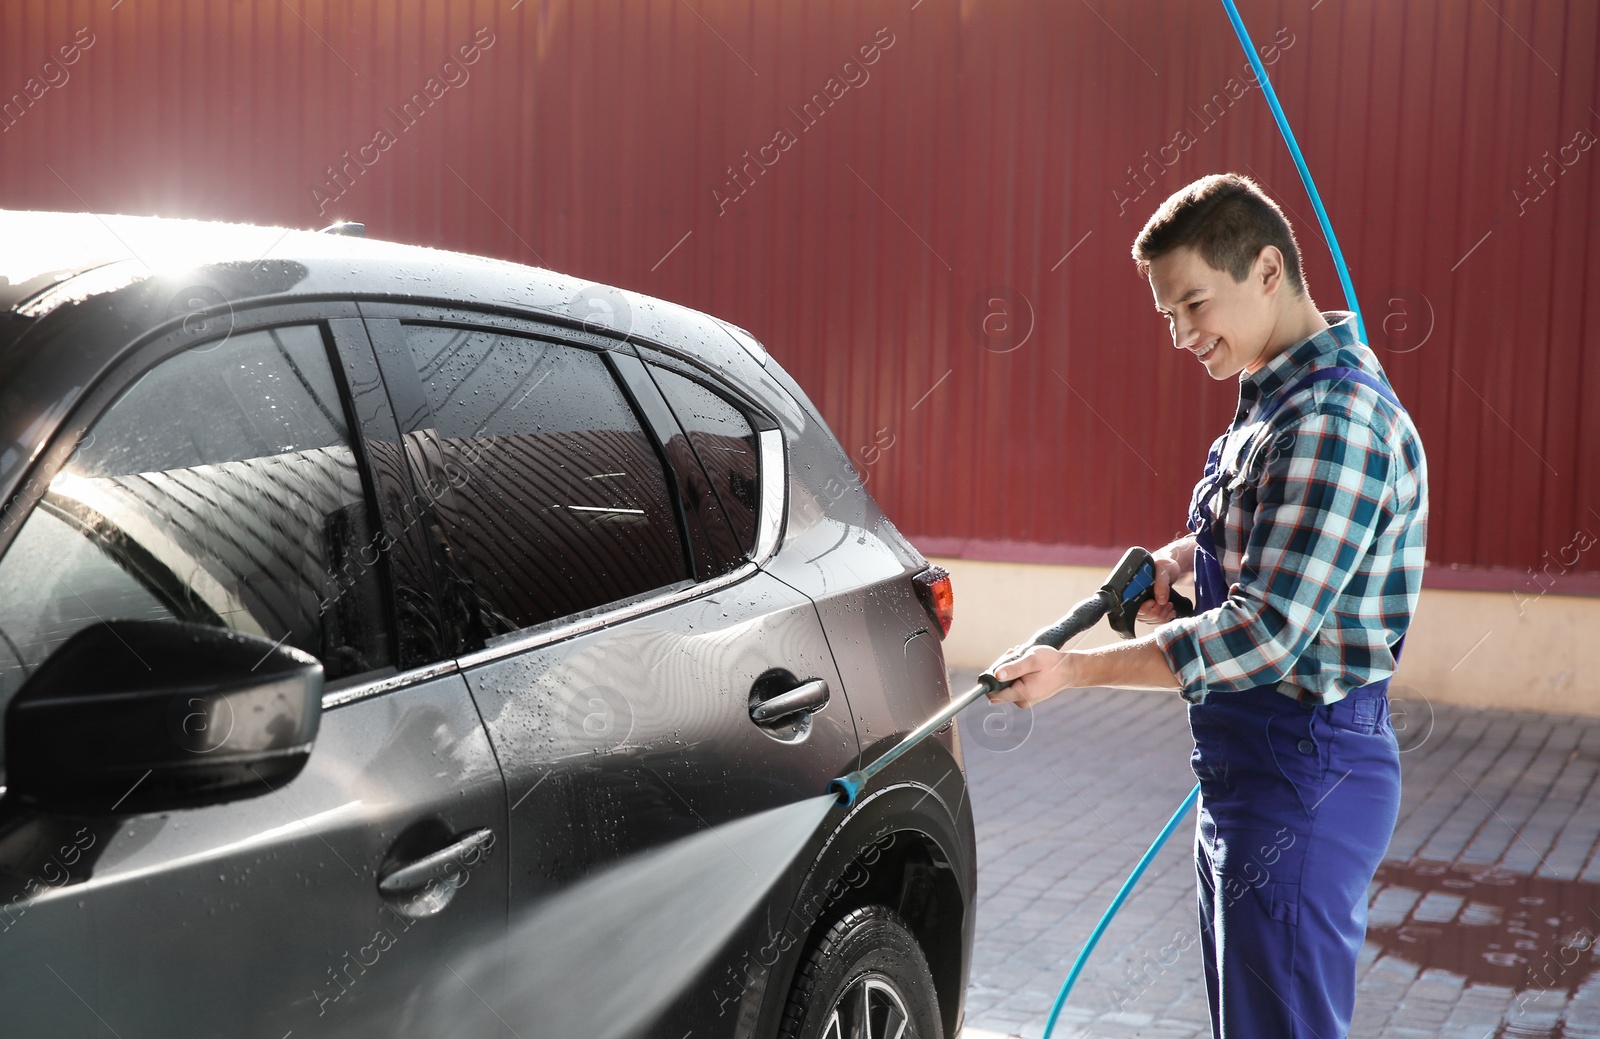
<point>1365,378</point>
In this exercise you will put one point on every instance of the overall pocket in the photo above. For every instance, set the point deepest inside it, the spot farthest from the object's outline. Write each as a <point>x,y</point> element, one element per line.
<point>1301,745</point>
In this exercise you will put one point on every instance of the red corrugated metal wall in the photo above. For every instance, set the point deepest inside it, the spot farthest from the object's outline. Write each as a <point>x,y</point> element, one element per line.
<point>953,153</point>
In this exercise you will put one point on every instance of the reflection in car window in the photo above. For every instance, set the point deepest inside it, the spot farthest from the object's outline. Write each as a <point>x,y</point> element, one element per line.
<point>221,488</point>
<point>560,501</point>
<point>726,444</point>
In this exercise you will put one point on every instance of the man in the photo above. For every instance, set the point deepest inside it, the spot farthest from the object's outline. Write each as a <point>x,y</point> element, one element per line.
<point>1306,546</point>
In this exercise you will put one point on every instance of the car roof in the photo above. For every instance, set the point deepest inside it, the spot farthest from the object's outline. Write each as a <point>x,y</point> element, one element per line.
<point>47,259</point>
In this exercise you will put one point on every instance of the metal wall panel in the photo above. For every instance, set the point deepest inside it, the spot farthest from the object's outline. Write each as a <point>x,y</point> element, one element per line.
<point>1005,150</point>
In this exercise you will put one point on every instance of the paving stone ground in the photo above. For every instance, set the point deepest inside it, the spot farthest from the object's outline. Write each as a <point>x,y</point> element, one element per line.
<point>1483,918</point>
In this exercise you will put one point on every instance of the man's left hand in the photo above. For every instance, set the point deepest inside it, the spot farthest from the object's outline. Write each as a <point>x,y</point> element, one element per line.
<point>1040,673</point>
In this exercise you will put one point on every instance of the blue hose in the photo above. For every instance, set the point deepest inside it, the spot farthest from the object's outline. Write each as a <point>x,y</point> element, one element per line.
<point>1361,331</point>
<point>1299,163</point>
<point>1116,904</point>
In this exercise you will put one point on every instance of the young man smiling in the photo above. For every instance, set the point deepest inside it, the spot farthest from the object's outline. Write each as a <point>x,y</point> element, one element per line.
<point>1308,530</point>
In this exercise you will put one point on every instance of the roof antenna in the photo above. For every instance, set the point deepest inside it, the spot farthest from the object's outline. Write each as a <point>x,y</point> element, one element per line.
<point>345,227</point>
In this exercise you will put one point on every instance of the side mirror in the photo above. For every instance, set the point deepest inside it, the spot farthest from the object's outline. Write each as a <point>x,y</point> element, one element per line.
<point>130,717</point>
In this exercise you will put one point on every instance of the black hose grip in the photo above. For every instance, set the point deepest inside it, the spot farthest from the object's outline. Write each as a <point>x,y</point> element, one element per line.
<point>1084,616</point>
<point>1180,602</point>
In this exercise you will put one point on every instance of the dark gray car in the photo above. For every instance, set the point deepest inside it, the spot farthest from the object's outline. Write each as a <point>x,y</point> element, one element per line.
<point>396,642</point>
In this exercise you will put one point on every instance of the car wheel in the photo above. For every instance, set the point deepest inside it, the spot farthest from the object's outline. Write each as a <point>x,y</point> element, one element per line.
<point>866,978</point>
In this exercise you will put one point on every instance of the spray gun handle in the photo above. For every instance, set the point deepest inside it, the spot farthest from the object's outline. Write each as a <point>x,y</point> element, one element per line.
<point>1130,586</point>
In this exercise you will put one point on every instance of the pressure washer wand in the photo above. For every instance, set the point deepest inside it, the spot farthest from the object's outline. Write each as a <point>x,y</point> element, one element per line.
<point>1129,587</point>
<point>1083,616</point>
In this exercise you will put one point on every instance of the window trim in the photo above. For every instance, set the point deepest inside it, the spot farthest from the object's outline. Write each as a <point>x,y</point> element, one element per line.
<point>774,491</point>
<point>387,684</point>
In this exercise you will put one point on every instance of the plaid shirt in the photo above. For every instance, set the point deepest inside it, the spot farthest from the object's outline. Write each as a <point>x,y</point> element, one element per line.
<point>1323,537</point>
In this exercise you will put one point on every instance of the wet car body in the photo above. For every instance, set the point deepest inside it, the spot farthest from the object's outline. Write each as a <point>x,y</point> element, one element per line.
<point>481,756</point>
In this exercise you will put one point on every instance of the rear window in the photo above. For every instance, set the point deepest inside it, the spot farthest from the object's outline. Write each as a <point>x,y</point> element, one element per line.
<point>726,442</point>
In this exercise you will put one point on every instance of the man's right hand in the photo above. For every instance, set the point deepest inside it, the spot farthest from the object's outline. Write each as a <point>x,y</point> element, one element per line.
<point>1168,570</point>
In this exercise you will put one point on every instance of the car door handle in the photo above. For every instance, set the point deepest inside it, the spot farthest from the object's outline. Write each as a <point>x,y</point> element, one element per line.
<point>425,886</point>
<point>807,696</point>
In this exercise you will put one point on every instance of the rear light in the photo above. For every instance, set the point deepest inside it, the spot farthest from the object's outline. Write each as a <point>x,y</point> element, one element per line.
<point>938,598</point>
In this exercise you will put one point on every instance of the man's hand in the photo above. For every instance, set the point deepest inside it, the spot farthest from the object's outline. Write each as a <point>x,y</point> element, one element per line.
<point>1040,673</point>
<point>1159,610</point>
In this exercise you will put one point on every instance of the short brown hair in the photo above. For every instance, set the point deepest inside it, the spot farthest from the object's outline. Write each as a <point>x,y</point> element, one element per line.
<point>1227,219</point>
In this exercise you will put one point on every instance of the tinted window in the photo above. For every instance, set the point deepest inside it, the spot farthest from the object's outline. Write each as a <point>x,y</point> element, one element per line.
<point>559,500</point>
<point>221,488</point>
<point>726,443</point>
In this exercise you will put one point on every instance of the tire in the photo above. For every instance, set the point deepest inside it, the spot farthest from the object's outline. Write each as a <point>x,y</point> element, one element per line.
<point>866,967</point>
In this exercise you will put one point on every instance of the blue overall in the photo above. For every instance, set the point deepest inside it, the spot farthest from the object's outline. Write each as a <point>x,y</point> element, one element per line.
<point>1297,805</point>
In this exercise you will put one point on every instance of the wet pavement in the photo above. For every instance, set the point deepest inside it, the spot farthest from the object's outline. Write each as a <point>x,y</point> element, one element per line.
<point>1483,919</point>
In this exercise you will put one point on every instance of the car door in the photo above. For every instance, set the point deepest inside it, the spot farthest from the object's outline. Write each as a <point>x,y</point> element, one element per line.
<point>628,658</point>
<point>223,482</point>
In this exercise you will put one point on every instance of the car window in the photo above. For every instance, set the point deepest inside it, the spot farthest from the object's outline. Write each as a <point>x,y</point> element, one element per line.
<point>726,443</point>
<point>560,500</point>
<point>221,488</point>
